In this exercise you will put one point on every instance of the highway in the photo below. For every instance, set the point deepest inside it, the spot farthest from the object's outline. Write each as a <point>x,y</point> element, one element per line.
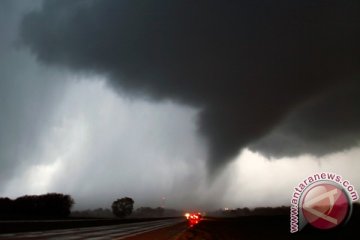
<point>120,231</point>
<point>249,227</point>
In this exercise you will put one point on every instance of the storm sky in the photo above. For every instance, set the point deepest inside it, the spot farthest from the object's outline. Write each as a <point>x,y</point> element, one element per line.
<point>207,103</point>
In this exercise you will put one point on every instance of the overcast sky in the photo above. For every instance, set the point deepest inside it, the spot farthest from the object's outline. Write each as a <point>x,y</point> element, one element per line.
<point>209,104</point>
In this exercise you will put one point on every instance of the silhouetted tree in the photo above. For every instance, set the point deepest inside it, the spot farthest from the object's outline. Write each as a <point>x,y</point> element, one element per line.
<point>122,207</point>
<point>6,207</point>
<point>53,205</point>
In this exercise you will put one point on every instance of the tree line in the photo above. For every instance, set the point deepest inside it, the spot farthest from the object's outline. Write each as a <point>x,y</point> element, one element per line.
<point>51,205</point>
<point>258,211</point>
<point>124,207</point>
<point>141,212</point>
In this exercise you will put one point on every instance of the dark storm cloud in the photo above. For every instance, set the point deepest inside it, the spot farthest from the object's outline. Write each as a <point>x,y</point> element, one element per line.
<point>329,123</point>
<point>26,99</point>
<point>246,64</point>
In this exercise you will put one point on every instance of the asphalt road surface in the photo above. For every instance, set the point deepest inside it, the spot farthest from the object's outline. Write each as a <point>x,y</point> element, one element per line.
<point>245,228</point>
<point>121,231</point>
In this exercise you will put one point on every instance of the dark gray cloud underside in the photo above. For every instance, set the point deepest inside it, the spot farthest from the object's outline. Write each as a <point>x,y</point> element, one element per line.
<point>246,64</point>
<point>329,123</point>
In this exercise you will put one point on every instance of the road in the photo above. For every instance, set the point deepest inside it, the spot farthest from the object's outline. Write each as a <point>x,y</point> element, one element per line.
<point>250,227</point>
<point>116,232</point>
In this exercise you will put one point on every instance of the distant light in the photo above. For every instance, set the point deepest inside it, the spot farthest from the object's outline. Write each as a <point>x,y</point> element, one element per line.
<point>187,215</point>
<point>193,219</point>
